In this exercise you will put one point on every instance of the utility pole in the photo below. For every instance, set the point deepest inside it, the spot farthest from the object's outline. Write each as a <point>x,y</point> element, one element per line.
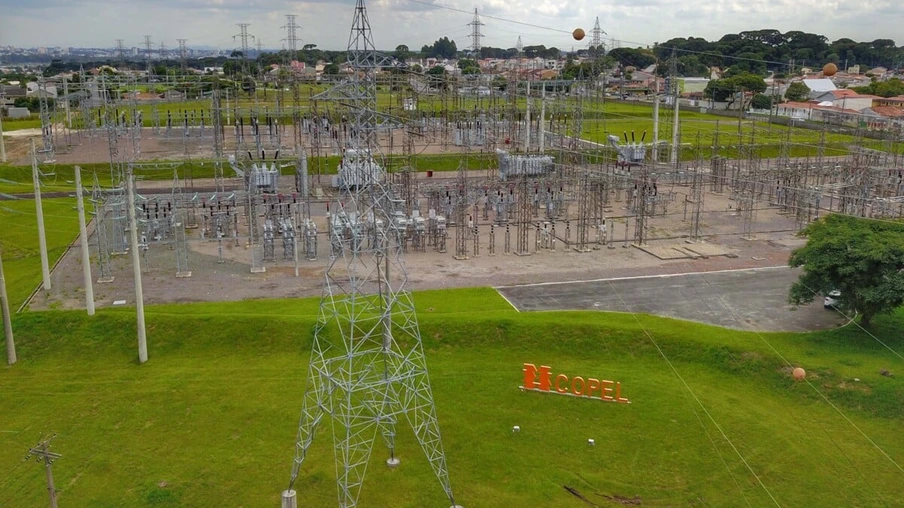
<point>136,270</point>
<point>42,453</point>
<point>7,319</point>
<point>2,146</point>
<point>83,232</point>
<point>42,240</point>
<point>656,120</point>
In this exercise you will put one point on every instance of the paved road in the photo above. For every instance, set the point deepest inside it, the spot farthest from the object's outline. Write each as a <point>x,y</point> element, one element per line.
<point>741,299</point>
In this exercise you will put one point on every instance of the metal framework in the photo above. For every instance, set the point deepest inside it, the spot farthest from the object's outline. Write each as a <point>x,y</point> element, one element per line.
<point>475,25</point>
<point>368,369</point>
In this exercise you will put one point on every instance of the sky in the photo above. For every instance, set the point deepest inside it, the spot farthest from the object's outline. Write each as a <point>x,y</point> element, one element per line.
<point>212,23</point>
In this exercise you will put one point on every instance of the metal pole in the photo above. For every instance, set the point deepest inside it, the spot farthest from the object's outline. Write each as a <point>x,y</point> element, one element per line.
<point>542,122</point>
<point>675,146</point>
<point>50,488</point>
<point>42,240</point>
<point>656,121</point>
<point>295,245</point>
<point>7,319</point>
<point>83,232</point>
<point>527,120</point>
<point>2,145</point>
<point>136,270</point>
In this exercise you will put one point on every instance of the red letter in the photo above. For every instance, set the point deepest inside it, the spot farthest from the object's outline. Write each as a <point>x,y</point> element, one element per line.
<point>607,389</point>
<point>618,396</point>
<point>561,377</point>
<point>592,384</point>
<point>574,389</point>
<point>530,377</point>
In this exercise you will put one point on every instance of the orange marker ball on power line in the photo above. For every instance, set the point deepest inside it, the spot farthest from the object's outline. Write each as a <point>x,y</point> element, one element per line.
<point>578,34</point>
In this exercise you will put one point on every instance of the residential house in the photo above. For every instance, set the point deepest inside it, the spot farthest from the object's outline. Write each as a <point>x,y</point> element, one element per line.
<point>895,102</point>
<point>883,117</point>
<point>845,99</point>
<point>9,94</point>
<point>817,112</point>
<point>46,91</point>
<point>819,86</point>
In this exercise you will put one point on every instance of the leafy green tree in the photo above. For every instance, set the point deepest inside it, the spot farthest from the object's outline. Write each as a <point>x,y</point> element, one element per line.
<point>861,258</point>
<point>442,48</point>
<point>402,53</point>
<point>727,89</point>
<point>761,101</point>
<point>331,69</point>
<point>797,92</point>
<point>639,58</point>
<point>890,88</point>
<point>468,67</point>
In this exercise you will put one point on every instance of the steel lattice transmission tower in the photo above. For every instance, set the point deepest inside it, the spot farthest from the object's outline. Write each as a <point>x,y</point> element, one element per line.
<point>120,52</point>
<point>291,34</point>
<point>475,25</point>
<point>368,369</point>
<point>243,37</point>
<point>147,52</point>
<point>183,52</point>
<point>596,35</point>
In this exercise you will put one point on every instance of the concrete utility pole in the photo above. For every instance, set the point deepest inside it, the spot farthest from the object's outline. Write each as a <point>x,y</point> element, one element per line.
<point>2,145</point>
<point>656,120</point>
<point>7,319</point>
<point>542,122</point>
<point>42,239</point>
<point>136,270</point>
<point>676,148</point>
<point>83,232</point>
<point>42,453</point>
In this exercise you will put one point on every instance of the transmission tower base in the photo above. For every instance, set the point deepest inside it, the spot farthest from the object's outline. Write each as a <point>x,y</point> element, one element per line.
<point>393,462</point>
<point>288,499</point>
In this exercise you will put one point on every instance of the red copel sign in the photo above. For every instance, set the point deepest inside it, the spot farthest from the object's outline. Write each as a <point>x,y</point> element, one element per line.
<point>540,379</point>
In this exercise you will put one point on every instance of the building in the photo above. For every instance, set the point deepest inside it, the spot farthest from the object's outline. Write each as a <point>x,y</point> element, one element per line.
<point>845,99</point>
<point>819,86</point>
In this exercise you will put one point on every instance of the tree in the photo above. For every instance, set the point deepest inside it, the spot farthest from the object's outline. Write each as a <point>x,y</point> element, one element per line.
<point>797,92</point>
<point>468,66</point>
<point>442,48</point>
<point>331,69</point>
<point>761,101</point>
<point>727,89</point>
<point>402,53</point>
<point>861,258</point>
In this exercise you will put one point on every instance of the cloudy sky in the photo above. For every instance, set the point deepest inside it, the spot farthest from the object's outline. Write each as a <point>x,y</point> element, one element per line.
<point>98,23</point>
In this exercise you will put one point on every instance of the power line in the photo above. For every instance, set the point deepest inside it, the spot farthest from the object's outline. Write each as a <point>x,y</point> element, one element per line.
<point>42,453</point>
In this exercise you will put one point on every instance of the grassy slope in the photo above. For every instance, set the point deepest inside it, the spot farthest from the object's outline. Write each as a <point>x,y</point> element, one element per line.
<point>213,413</point>
<point>19,239</point>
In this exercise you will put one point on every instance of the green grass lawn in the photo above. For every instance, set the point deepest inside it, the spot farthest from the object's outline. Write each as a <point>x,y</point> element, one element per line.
<point>61,177</point>
<point>32,122</point>
<point>19,240</point>
<point>211,418</point>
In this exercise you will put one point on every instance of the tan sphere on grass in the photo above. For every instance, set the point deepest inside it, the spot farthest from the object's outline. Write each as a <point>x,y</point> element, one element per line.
<point>799,373</point>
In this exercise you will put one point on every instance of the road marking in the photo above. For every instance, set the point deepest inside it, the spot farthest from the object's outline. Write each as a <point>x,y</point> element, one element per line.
<point>661,276</point>
<point>506,299</point>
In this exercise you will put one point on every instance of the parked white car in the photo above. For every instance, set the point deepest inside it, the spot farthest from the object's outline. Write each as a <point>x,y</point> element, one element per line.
<point>832,299</point>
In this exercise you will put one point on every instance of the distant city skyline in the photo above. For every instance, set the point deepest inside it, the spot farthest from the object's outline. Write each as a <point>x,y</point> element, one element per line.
<point>212,23</point>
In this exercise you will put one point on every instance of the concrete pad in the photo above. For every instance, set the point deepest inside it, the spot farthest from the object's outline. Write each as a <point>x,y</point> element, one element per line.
<point>739,299</point>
